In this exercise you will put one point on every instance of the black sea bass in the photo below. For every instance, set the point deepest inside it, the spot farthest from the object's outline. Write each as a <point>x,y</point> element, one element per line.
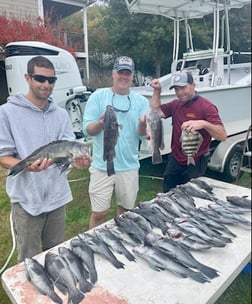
<point>61,152</point>
<point>111,133</point>
<point>155,134</point>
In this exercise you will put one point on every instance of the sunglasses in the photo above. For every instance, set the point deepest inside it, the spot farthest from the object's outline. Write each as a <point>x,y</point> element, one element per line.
<point>121,110</point>
<point>42,79</point>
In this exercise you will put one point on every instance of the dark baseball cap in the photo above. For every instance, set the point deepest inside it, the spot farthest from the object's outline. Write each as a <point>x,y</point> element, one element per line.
<point>124,63</point>
<point>181,79</point>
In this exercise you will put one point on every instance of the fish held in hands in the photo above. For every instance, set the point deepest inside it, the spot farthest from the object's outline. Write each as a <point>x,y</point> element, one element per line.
<point>154,134</point>
<point>61,153</point>
<point>111,133</point>
<point>190,143</point>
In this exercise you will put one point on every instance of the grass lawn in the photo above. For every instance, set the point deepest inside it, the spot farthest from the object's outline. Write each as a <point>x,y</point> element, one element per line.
<point>78,212</point>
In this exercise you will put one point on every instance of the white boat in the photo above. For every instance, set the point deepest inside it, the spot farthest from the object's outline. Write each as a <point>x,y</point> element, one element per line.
<point>226,84</point>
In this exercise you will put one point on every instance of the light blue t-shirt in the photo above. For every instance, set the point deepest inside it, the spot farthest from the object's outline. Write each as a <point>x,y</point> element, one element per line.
<point>128,141</point>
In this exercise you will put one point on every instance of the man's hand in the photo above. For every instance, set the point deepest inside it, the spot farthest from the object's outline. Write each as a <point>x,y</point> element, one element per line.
<point>82,162</point>
<point>39,165</point>
<point>155,84</point>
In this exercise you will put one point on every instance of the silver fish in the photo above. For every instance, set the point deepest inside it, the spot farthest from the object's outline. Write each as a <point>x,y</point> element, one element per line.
<point>196,191</point>
<point>190,143</point>
<point>38,276</point>
<point>202,184</point>
<point>120,234</point>
<point>180,253</point>
<point>101,248</point>
<point>140,220</point>
<point>240,201</point>
<point>155,134</point>
<point>61,152</point>
<point>159,261</point>
<point>111,133</point>
<point>113,242</point>
<point>62,277</point>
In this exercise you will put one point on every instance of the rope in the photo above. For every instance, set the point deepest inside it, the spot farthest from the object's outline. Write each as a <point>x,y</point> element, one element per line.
<point>13,245</point>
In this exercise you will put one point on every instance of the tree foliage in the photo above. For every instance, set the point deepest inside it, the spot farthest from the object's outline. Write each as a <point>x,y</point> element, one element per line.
<point>13,29</point>
<point>149,39</point>
<point>113,31</point>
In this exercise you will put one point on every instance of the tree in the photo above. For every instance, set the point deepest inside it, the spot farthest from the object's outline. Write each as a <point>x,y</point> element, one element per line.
<point>13,30</point>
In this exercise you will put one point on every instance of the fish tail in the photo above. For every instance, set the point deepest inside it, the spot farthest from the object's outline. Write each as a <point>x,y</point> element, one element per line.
<point>93,275</point>
<point>129,256</point>
<point>209,272</point>
<point>118,264</point>
<point>85,286</point>
<point>18,168</point>
<point>55,298</point>
<point>198,277</point>
<point>157,158</point>
<point>75,297</point>
<point>190,161</point>
<point>110,167</point>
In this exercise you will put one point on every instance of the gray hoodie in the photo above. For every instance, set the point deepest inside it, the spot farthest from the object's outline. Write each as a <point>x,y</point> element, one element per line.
<point>24,128</point>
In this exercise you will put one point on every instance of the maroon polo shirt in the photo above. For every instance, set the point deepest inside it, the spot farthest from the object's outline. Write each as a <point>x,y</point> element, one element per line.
<point>197,109</point>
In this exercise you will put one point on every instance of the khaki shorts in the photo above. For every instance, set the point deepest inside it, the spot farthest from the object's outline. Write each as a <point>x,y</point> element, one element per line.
<point>102,186</point>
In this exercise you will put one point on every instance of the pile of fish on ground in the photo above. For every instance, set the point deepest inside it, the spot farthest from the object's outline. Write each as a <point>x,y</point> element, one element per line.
<point>183,228</point>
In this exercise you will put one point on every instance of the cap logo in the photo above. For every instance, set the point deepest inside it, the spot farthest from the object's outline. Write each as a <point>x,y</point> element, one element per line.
<point>177,78</point>
<point>125,61</point>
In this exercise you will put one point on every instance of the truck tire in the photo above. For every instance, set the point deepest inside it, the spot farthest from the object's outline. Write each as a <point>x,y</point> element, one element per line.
<point>231,168</point>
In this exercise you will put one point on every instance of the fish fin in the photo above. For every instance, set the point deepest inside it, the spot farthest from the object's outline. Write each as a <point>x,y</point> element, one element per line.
<point>190,161</point>
<point>120,126</point>
<point>64,168</point>
<point>110,167</point>
<point>18,168</point>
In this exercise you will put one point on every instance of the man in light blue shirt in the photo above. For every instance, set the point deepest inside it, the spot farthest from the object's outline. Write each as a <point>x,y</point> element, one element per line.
<point>130,109</point>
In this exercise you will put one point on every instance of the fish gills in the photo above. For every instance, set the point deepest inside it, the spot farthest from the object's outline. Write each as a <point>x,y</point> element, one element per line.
<point>111,134</point>
<point>154,135</point>
<point>190,143</point>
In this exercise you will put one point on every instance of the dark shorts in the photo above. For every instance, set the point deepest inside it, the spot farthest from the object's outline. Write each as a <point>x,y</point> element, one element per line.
<point>176,174</point>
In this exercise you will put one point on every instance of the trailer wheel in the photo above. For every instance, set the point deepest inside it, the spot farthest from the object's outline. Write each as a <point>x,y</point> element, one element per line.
<point>231,169</point>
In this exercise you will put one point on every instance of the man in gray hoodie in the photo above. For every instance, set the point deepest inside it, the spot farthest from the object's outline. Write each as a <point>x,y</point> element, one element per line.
<point>39,195</point>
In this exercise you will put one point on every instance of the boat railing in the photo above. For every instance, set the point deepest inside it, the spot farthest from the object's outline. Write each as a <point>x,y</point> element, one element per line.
<point>206,67</point>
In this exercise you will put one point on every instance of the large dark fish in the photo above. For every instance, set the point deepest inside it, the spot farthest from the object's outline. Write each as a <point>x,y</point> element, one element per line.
<point>155,134</point>
<point>111,133</point>
<point>77,268</point>
<point>38,276</point>
<point>86,254</point>
<point>62,277</point>
<point>61,152</point>
<point>190,143</point>
<point>101,248</point>
<point>131,228</point>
